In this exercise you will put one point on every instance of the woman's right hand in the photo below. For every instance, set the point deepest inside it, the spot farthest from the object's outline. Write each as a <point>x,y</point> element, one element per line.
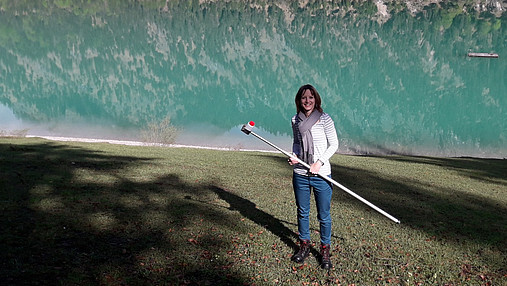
<point>292,161</point>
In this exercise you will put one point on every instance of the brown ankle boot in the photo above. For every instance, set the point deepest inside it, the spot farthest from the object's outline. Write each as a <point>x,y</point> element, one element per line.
<point>325,262</point>
<point>303,252</point>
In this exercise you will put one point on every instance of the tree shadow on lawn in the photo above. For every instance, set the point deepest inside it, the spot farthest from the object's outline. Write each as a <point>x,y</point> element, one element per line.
<point>450,214</point>
<point>444,212</point>
<point>56,227</point>
<point>483,169</point>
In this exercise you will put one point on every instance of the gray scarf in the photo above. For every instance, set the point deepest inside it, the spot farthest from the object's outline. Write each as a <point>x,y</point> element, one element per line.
<point>305,124</point>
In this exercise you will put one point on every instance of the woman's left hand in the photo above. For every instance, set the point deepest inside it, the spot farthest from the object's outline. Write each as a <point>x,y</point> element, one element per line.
<point>315,167</point>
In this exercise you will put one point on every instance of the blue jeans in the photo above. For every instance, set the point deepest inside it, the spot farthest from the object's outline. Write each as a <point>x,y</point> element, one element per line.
<point>322,191</point>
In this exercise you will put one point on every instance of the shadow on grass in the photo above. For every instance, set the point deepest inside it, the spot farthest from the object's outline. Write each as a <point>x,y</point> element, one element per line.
<point>263,219</point>
<point>80,216</point>
<point>487,170</point>
<point>443,211</point>
<point>56,225</point>
<point>448,213</point>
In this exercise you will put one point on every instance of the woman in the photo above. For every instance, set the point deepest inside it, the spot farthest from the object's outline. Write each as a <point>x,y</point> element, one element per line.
<point>315,141</point>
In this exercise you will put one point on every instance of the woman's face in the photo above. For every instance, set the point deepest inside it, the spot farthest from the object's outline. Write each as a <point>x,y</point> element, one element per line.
<point>307,102</point>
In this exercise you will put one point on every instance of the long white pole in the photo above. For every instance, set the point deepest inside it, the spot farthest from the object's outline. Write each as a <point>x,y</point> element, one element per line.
<point>329,179</point>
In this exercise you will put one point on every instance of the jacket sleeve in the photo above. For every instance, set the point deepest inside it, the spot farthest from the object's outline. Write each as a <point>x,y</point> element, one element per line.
<point>331,137</point>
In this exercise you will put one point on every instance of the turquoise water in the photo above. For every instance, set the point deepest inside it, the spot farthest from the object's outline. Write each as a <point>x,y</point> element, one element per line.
<point>399,82</point>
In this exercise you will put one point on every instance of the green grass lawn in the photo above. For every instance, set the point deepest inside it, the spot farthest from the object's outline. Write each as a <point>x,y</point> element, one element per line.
<point>103,214</point>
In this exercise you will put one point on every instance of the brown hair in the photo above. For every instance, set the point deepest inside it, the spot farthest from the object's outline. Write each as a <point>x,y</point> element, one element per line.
<point>301,91</point>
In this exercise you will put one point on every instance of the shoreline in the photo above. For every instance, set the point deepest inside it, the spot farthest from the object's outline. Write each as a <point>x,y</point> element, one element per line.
<point>140,143</point>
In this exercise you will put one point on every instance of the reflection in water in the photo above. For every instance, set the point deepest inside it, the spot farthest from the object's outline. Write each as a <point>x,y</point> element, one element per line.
<point>396,79</point>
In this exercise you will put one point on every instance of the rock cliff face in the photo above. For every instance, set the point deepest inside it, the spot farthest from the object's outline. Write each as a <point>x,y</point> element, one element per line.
<point>384,8</point>
<point>492,6</point>
<point>379,10</point>
<point>479,6</point>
